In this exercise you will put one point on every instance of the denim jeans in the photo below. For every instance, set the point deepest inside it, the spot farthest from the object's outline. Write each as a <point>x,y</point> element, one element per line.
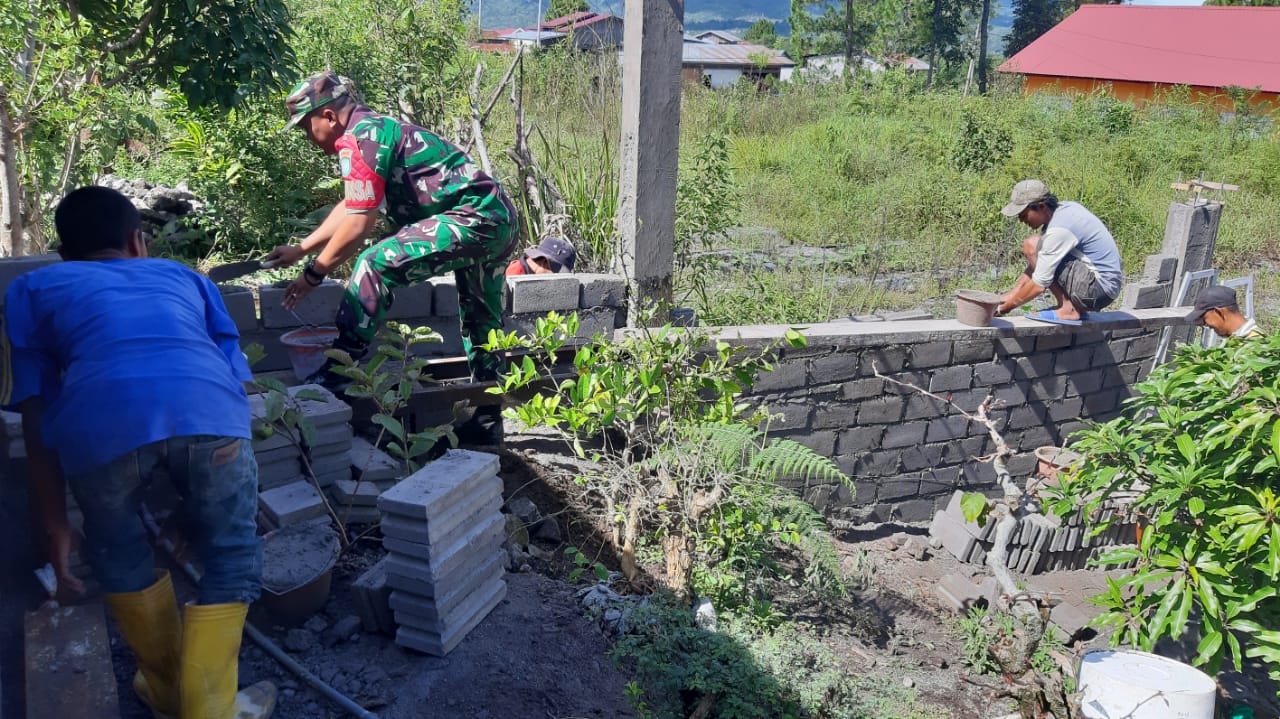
<point>217,478</point>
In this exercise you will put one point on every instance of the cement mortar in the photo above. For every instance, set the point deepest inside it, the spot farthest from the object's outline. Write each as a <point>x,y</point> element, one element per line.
<point>295,555</point>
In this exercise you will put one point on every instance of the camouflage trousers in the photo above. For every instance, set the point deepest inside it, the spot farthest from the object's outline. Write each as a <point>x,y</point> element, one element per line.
<point>474,249</point>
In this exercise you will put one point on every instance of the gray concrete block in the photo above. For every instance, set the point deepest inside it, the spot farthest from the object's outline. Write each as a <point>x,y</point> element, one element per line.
<point>836,415</point>
<point>332,439</point>
<point>404,575</point>
<point>922,457</point>
<point>1014,346</point>
<point>824,443</point>
<point>601,290</point>
<point>890,490</point>
<point>1069,618</point>
<point>1159,268</point>
<point>1085,382</point>
<point>947,429</point>
<point>327,479</point>
<point>434,564</point>
<point>359,515</point>
<point>930,354</point>
<point>441,644</point>
<point>1142,348</point>
<point>1146,296</point>
<point>337,463</point>
<point>11,268</point>
<point>837,367</point>
<point>921,406</point>
<point>881,411</point>
<point>278,474</point>
<point>484,498</point>
<point>885,359</point>
<point>788,415</point>
<point>373,600</point>
<point>445,299</point>
<point>411,301</point>
<point>1051,342</point>
<point>949,379</point>
<point>544,293</point>
<point>372,464</point>
<point>324,412</point>
<point>1027,415</point>
<point>913,510</point>
<point>783,376</point>
<point>972,351</point>
<point>349,491</point>
<point>1065,410</point>
<point>906,315</point>
<point>240,306</point>
<point>436,616</point>
<point>1047,388</point>
<point>291,503</point>
<point>859,439</point>
<point>275,357</point>
<point>595,322</point>
<point>1072,360</point>
<point>432,490</point>
<point>952,534</point>
<point>961,451</point>
<point>903,435</point>
<point>874,464</point>
<point>319,308</point>
<point>861,388</point>
<point>993,373</point>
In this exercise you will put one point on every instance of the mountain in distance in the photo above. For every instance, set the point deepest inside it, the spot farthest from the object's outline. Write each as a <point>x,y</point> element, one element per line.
<point>699,15</point>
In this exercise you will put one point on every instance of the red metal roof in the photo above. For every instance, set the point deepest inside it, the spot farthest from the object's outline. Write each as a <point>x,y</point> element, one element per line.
<point>1205,46</point>
<point>576,20</point>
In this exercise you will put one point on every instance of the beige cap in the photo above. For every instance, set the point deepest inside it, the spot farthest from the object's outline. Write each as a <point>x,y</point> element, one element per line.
<point>1024,193</point>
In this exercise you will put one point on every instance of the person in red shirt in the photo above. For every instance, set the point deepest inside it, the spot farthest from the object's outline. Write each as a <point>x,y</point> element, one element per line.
<point>551,255</point>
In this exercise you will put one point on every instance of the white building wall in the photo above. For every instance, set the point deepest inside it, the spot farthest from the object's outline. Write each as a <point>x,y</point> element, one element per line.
<point>722,77</point>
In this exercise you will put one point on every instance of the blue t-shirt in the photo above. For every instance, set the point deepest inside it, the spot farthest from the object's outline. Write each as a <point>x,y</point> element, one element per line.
<point>124,353</point>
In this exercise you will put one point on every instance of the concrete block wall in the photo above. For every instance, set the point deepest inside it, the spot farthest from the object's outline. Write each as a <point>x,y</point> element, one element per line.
<point>906,452</point>
<point>1190,236</point>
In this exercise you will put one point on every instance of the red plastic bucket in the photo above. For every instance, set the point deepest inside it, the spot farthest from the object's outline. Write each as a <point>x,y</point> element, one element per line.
<point>306,347</point>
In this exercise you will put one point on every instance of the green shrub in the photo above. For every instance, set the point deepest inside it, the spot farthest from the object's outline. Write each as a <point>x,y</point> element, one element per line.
<point>1199,446</point>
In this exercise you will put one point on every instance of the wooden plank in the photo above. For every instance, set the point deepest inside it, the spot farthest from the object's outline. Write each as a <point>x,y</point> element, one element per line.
<point>68,664</point>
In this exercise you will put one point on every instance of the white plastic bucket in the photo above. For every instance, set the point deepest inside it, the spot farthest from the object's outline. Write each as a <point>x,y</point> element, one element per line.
<point>306,348</point>
<point>1138,685</point>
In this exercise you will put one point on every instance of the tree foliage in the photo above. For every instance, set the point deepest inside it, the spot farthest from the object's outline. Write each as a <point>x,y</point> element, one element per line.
<point>1031,19</point>
<point>1199,453</point>
<point>762,32</point>
<point>561,8</point>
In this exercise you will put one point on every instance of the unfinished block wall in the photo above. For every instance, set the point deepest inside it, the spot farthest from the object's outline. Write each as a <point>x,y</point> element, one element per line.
<point>907,453</point>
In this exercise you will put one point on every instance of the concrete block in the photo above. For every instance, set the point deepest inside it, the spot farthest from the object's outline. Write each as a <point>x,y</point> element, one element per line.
<point>465,548</point>
<point>952,534</point>
<point>67,658</point>
<point>993,373</point>
<point>1065,411</point>
<point>930,354</point>
<point>240,306</point>
<point>349,491</point>
<point>1085,382</point>
<point>957,591</point>
<point>824,443</point>
<point>788,415</point>
<point>360,515</point>
<point>445,299</point>
<point>1146,296</point>
<point>441,644</point>
<point>906,316</point>
<point>596,322</point>
<point>432,615</point>
<point>1070,619</point>
<point>1047,388</point>
<point>1072,360</point>
<point>319,308</point>
<point>332,439</point>
<point>411,301</point>
<point>783,376</point>
<point>439,486</point>
<point>888,410</point>
<point>875,464</point>
<point>860,388</point>
<point>949,379</point>
<point>279,473</point>
<point>885,359</point>
<point>1055,341</point>
<point>947,429</point>
<point>337,464</point>
<point>404,575</point>
<point>291,503</point>
<point>1033,367</point>
<point>11,268</point>
<point>599,290</point>
<point>1159,268</point>
<point>972,351</point>
<point>836,415</point>
<point>544,293</point>
<point>372,599</point>
<point>372,464</point>
<point>922,457</point>
<point>904,435</point>
<point>890,490</point>
<point>1142,348</point>
<point>859,439</point>
<point>323,412</point>
<point>838,367</point>
<point>275,357</point>
<point>913,510</point>
<point>1014,346</point>
<point>920,406</point>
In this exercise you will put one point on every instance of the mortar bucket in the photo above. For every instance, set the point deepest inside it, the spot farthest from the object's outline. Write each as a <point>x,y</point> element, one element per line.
<point>975,307</point>
<point>306,347</point>
<point>1138,685</point>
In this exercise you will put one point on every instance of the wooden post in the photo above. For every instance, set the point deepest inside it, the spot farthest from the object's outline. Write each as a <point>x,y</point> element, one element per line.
<point>653,48</point>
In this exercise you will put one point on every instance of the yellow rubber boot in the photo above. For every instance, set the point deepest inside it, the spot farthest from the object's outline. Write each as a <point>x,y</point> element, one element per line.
<point>210,666</point>
<point>149,622</point>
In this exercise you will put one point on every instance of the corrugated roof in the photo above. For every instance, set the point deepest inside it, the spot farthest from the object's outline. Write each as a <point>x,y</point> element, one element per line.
<point>726,36</point>
<point>576,20</point>
<point>533,35</point>
<point>1206,46</point>
<point>740,55</point>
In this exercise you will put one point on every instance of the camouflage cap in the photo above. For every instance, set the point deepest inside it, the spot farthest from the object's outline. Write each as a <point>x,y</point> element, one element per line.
<point>314,92</point>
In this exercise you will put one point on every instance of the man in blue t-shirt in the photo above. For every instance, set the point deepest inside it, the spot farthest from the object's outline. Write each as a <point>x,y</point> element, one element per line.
<point>1074,256</point>
<point>123,367</point>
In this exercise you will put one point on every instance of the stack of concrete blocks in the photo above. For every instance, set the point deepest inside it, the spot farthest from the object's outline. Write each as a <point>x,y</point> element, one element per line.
<point>1040,543</point>
<point>286,494</point>
<point>372,598</point>
<point>443,529</point>
<point>15,446</point>
<point>372,473</point>
<point>598,299</point>
<point>1190,237</point>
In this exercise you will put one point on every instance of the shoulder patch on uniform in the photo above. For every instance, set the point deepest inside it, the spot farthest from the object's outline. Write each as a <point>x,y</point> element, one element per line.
<point>344,160</point>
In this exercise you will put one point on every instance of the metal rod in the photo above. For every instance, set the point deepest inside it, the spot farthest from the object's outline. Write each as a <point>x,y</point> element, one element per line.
<point>258,637</point>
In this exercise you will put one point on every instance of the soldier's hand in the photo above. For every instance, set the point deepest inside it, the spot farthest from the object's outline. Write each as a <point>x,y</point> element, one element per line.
<point>284,256</point>
<point>296,292</point>
<point>62,541</point>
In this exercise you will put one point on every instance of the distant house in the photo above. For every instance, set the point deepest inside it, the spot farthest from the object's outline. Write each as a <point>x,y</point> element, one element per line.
<point>1137,52</point>
<point>589,30</point>
<point>719,37</point>
<point>907,62</point>
<point>532,39</point>
<point>825,68</point>
<point>718,64</point>
<point>493,41</point>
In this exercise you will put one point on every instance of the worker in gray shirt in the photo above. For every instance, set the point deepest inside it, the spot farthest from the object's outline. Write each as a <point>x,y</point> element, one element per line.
<point>1073,256</point>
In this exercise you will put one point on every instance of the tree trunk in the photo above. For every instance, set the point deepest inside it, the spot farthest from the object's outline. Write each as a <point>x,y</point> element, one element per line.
<point>11,234</point>
<point>982,47</point>
<point>848,37</point>
<point>676,550</point>
<point>933,44</point>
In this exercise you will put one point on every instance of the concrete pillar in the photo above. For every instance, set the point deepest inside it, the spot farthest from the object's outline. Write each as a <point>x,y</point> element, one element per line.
<point>1190,235</point>
<point>653,46</point>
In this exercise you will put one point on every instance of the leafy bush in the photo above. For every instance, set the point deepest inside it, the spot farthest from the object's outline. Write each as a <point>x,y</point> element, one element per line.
<point>1199,450</point>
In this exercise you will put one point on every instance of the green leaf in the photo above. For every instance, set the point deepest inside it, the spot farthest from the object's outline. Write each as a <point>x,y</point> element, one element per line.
<point>273,405</point>
<point>1196,506</point>
<point>391,424</point>
<point>974,506</point>
<point>314,395</point>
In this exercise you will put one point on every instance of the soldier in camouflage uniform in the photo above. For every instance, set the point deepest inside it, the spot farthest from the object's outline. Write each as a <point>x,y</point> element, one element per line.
<point>451,218</point>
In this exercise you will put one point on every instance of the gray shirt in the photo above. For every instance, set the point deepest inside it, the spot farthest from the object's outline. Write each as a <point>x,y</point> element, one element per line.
<point>1077,233</point>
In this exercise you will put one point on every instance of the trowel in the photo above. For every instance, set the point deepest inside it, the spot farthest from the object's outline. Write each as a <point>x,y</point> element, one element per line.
<point>222,273</point>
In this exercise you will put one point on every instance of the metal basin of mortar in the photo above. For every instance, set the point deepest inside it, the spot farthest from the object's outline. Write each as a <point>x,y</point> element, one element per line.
<point>975,307</point>
<point>297,567</point>
<point>1052,460</point>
